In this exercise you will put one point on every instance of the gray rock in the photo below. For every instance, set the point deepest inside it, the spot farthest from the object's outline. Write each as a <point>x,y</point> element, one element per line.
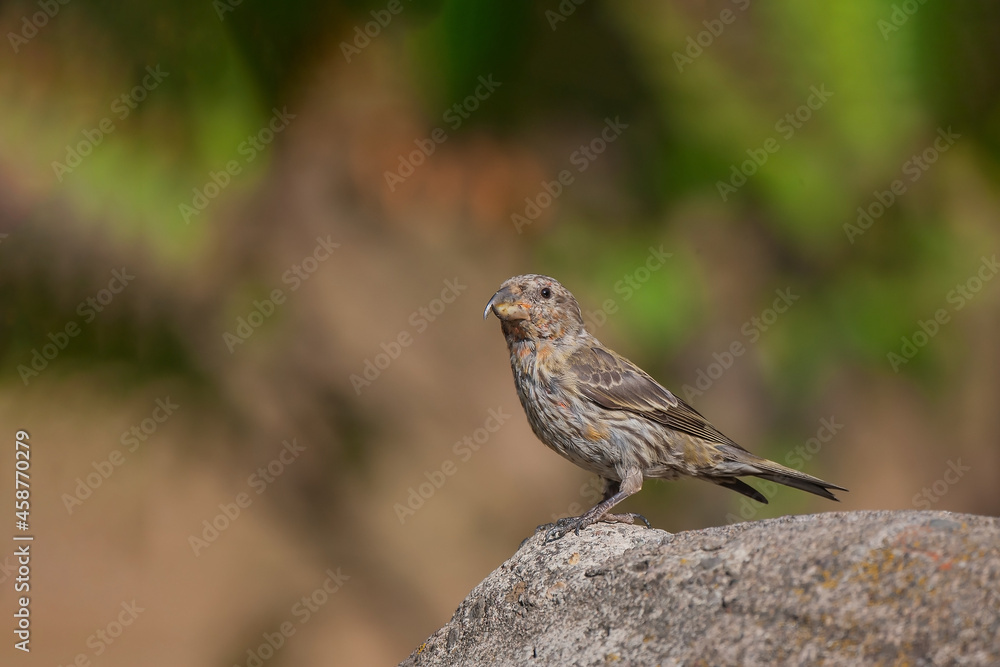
<point>890,588</point>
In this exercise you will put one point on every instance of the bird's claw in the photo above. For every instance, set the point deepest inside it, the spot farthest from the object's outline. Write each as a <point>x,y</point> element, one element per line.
<point>562,527</point>
<point>628,517</point>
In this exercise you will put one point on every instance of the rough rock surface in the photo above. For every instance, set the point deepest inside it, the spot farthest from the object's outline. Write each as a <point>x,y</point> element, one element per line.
<point>888,588</point>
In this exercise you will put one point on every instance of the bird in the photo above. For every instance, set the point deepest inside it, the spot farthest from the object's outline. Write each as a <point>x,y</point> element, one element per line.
<point>603,413</point>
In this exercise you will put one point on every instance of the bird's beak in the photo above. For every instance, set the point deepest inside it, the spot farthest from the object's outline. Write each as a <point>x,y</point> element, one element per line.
<point>506,307</point>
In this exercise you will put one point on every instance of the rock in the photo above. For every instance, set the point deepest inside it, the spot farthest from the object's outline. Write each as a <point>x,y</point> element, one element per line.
<point>879,587</point>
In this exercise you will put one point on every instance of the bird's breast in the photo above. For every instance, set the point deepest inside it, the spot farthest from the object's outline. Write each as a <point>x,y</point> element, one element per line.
<point>547,403</point>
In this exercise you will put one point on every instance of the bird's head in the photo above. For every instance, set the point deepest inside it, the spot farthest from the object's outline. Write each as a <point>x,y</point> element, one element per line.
<point>535,307</point>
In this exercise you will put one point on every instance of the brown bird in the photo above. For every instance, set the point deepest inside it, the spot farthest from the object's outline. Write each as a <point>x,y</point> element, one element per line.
<point>606,415</point>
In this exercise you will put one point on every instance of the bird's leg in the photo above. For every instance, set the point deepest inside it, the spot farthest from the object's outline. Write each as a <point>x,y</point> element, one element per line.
<point>611,487</point>
<point>614,493</point>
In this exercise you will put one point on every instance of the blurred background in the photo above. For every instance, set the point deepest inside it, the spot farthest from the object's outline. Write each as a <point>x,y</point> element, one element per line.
<point>245,248</point>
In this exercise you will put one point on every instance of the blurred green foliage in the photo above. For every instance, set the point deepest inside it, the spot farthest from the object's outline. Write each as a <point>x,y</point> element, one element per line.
<point>892,88</point>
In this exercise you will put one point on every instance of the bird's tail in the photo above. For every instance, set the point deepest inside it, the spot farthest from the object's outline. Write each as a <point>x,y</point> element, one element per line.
<point>746,464</point>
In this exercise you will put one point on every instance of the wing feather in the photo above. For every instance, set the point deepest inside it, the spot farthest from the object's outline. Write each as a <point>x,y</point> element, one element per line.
<point>615,383</point>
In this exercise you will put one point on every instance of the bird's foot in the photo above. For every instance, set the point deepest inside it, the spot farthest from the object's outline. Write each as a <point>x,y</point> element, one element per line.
<point>562,527</point>
<point>628,517</point>
<point>566,525</point>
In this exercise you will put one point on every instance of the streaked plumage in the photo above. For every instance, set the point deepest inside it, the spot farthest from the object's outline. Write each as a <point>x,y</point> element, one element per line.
<point>606,415</point>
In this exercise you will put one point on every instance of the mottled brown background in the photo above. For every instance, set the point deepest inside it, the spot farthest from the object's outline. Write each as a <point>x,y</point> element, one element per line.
<point>323,175</point>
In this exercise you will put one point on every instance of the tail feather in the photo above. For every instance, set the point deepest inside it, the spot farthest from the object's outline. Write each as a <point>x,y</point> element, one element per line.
<point>805,483</point>
<point>740,486</point>
<point>755,466</point>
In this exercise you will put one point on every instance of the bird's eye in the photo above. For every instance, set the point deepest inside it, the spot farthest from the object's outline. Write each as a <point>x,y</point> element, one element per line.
<point>546,293</point>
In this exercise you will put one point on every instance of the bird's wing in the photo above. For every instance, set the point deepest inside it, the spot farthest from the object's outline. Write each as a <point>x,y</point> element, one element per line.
<point>615,383</point>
